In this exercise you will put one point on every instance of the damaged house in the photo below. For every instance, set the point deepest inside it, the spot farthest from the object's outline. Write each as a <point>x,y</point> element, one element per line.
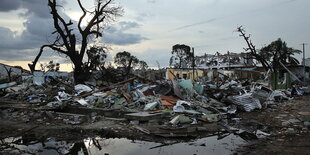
<point>225,61</point>
<point>233,65</point>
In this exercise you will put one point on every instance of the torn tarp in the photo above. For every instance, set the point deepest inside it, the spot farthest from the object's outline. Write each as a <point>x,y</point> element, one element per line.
<point>187,85</point>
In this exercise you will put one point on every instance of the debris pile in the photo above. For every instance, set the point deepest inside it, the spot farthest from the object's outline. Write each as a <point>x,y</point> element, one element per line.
<point>168,108</point>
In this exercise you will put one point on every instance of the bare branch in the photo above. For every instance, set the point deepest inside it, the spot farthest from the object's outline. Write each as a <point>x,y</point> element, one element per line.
<point>82,17</point>
<point>52,46</point>
<point>96,32</point>
<point>56,24</point>
<point>252,48</point>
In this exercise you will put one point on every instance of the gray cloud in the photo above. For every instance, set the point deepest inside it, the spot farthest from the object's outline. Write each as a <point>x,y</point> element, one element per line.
<point>21,55</point>
<point>37,8</point>
<point>7,36</point>
<point>246,12</point>
<point>29,55</point>
<point>151,1</point>
<point>23,47</point>
<point>117,34</point>
<point>259,17</point>
<point>151,56</point>
<point>125,25</point>
<point>142,16</point>
<point>38,28</point>
<point>37,32</point>
<point>9,5</point>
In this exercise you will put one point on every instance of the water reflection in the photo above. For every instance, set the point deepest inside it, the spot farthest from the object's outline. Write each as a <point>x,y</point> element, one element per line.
<point>120,146</point>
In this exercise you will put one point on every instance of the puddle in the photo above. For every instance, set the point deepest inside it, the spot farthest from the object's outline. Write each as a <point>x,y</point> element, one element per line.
<point>121,146</point>
<point>209,145</point>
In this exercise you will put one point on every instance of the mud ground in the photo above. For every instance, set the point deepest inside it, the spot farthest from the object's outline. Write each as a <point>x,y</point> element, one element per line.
<point>286,139</point>
<point>289,138</point>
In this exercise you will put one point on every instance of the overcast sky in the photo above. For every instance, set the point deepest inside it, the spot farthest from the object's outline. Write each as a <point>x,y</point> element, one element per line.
<point>149,28</point>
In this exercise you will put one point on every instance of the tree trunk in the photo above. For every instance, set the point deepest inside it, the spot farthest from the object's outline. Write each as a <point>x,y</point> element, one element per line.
<point>128,68</point>
<point>180,65</point>
<point>81,74</point>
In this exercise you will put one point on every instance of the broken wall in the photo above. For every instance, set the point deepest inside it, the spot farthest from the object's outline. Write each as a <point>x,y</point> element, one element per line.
<point>40,77</point>
<point>185,73</point>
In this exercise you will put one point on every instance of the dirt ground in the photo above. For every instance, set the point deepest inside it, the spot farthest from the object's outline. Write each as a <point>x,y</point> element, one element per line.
<point>285,138</point>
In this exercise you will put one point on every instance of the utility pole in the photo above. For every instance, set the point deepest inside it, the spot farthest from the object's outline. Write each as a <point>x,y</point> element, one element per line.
<point>228,60</point>
<point>193,63</point>
<point>304,62</point>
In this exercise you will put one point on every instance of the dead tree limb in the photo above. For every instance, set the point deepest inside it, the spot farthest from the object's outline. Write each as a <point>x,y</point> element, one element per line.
<point>51,46</point>
<point>252,48</point>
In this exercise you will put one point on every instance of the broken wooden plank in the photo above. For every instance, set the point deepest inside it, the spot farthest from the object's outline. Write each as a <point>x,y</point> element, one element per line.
<point>142,130</point>
<point>142,116</point>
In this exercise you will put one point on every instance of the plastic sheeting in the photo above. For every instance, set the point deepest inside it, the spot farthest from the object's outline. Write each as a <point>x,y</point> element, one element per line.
<point>150,106</point>
<point>245,102</point>
<point>179,106</point>
<point>187,85</point>
<point>199,88</point>
<point>80,88</point>
<point>176,89</point>
<point>226,85</point>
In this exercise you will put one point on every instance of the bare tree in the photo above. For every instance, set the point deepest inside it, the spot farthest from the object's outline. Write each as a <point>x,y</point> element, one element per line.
<point>251,48</point>
<point>68,44</point>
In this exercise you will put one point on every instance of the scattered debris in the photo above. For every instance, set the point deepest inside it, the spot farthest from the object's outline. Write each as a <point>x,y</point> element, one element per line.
<point>175,108</point>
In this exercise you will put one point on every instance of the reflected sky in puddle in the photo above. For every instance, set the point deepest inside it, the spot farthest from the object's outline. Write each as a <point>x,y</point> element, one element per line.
<point>123,146</point>
<point>209,145</point>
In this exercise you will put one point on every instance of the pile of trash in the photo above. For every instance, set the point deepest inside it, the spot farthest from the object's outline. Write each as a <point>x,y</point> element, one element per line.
<point>173,103</point>
<point>179,96</point>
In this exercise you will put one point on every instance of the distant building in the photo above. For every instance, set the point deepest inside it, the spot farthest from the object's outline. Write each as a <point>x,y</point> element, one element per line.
<point>184,73</point>
<point>15,70</point>
<point>208,66</point>
<point>225,61</point>
<point>298,71</point>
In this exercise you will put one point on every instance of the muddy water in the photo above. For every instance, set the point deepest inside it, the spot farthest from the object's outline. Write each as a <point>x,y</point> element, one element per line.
<point>208,145</point>
<point>121,146</point>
